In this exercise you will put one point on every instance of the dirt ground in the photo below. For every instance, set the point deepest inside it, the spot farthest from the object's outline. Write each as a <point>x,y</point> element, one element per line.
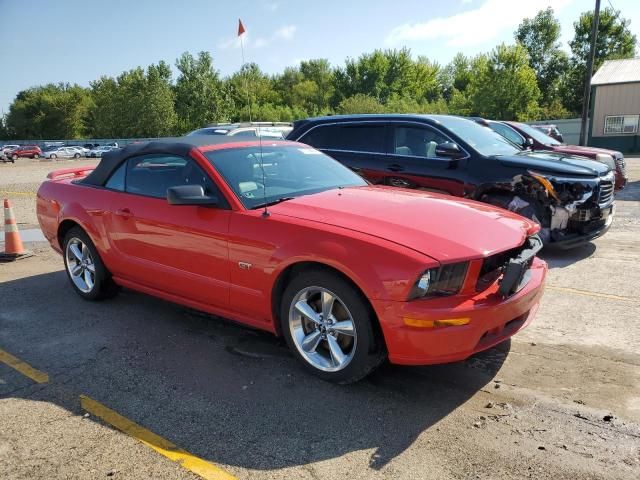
<point>561,400</point>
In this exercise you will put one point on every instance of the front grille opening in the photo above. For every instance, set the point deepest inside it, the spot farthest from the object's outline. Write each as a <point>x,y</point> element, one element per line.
<point>606,192</point>
<point>493,267</point>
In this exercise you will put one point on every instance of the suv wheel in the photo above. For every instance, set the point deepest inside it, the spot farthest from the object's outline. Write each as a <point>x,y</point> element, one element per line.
<point>36,156</point>
<point>14,157</point>
<point>329,327</point>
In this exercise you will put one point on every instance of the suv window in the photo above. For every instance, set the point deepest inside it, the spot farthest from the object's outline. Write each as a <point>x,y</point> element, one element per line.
<point>152,175</point>
<point>508,133</point>
<point>416,141</point>
<point>357,138</point>
<point>244,133</point>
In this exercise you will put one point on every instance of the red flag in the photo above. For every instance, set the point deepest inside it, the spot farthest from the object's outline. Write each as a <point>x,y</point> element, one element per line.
<point>240,27</point>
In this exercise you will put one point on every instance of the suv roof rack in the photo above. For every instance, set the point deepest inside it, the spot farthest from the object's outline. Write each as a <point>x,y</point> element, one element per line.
<point>250,124</point>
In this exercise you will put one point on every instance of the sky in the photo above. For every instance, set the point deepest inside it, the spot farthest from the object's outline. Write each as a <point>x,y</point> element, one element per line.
<point>78,41</point>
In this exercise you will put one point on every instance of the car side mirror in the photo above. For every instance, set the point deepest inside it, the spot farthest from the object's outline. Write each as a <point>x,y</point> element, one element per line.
<point>448,149</point>
<point>189,195</point>
<point>528,143</point>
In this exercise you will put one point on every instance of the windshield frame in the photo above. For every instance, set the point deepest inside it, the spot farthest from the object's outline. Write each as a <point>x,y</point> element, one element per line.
<point>259,200</point>
<point>451,122</point>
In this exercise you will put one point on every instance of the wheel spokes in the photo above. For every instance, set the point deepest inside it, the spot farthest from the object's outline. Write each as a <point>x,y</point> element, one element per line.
<point>77,270</point>
<point>344,327</point>
<point>91,267</point>
<point>337,355</point>
<point>311,341</point>
<point>327,304</point>
<point>76,251</point>
<point>88,279</point>
<point>306,311</point>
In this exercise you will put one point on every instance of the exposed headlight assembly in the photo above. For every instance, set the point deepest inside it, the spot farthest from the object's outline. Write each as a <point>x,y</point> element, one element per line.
<point>544,181</point>
<point>440,282</point>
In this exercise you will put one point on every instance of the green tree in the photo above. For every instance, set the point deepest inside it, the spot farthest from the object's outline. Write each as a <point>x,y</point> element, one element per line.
<point>541,37</point>
<point>136,104</point>
<point>614,41</point>
<point>504,85</point>
<point>260,88</point>
<point>360,103</point>
<point>49,111</point>
<point>200,95</point>
<point>456,76</point>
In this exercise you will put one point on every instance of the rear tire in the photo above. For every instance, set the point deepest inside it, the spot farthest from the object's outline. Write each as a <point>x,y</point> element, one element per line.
<point>77,155</point>
<point>86,272</point>
<point>329,327</point>
<point>36,156</point>
<point>54,156</point>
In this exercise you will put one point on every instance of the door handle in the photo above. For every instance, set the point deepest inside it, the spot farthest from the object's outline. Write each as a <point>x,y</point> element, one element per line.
<point>394,167</point>
<point>124,213</point>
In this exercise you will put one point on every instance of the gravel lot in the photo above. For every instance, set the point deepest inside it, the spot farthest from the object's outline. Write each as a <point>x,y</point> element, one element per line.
<point>561,400</point>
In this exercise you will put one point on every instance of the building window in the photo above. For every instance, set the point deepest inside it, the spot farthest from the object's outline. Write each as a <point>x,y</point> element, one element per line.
<point>621,124</point>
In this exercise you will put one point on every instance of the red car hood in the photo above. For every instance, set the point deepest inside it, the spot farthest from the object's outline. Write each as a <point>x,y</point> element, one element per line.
<point>590,152</point>
<point>442,227</point>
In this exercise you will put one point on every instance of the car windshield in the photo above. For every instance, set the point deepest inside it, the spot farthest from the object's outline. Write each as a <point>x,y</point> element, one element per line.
<point>285,172</point>
<point>483,139</point>
<point>538,135</point>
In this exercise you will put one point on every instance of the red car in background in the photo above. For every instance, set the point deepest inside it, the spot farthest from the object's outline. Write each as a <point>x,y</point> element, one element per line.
<point>26,151</point>
<point>550,130</point>
<point>530,137</point>
<point>281,237</point>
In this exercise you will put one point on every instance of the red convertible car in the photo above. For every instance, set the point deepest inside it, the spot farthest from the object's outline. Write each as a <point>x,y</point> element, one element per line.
<point>283,238</point>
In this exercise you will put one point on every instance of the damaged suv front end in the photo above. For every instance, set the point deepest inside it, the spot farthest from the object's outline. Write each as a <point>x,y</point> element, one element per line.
<point>571,210</point>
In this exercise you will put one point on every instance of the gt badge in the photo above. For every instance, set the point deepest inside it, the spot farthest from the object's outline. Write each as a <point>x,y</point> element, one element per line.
<point>244,265</point>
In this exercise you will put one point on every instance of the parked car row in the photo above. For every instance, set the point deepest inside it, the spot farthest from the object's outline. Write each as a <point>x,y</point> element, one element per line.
<point>272,130</point>
<point>10,153</point>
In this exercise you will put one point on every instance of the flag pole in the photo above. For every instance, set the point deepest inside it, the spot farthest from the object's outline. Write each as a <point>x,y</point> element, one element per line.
<point>246,83</point>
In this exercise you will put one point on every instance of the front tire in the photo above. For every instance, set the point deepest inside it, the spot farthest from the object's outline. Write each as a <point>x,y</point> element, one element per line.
<point>36,156</point>
<point>77,155</point>
<point>329,327</point>
<point>14,158</point>
<point>53,156</point>
<point>85,270</point>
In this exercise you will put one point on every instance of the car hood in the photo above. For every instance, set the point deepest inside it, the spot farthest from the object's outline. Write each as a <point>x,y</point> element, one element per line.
<point>584,151</point>
<point>442,227</point>
<point>555,162</point>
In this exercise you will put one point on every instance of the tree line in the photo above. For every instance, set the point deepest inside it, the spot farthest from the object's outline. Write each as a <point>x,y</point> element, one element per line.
<point>531,79</point>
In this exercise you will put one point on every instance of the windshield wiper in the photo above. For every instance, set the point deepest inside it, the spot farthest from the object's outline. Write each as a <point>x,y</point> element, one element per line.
<point>273,202</point>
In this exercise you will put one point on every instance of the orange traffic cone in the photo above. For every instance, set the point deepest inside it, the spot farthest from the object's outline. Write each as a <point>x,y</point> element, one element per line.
<point>13,248</point>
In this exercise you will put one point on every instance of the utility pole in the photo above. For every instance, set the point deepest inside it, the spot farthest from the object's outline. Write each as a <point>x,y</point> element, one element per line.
<point>587,81</point>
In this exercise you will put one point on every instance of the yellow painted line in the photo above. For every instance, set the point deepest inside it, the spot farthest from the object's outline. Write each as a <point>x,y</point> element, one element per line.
<point>194,464</point>
<point>8,192</point>
<point>593,294</point>
<point>24,368</point>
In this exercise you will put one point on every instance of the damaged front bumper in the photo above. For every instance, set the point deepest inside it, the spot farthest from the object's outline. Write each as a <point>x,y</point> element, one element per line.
<point>571,211</point>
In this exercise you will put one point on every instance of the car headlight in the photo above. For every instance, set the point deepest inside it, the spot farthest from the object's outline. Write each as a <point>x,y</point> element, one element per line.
<point>440,282</point>
<point>606,159</point>
<point>544,181</point>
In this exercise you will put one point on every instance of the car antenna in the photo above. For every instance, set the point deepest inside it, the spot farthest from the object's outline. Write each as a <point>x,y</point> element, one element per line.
<point>265,213</point>
<point>241,31</point>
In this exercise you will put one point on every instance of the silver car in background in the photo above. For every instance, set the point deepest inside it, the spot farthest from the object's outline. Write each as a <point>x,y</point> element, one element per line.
<point>61,152</point>
<point>97,152</point>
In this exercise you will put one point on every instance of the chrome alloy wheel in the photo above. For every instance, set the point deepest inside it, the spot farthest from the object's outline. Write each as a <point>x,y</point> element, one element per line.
<point>322,329</point>
<point>80,265</point>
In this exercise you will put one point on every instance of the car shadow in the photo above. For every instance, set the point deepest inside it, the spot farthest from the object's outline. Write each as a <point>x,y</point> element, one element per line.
<point>226,393</point>
<point>557,258</point>
<point>631,191</point>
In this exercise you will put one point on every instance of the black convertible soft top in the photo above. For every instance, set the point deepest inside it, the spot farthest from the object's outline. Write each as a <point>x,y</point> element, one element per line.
<point>178,146</point>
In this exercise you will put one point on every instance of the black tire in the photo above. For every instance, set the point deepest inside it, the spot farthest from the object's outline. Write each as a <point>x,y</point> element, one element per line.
<point>369,349</point>
<point>53,155</point>
<point>104,286</point>
<point>14,158</point>
<point>76,155</point>
<point>36,156</point>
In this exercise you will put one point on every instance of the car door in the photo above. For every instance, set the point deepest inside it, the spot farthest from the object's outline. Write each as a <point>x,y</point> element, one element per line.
<point>177,249</point>
<point>357,145</point>
<point>413,161</point>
